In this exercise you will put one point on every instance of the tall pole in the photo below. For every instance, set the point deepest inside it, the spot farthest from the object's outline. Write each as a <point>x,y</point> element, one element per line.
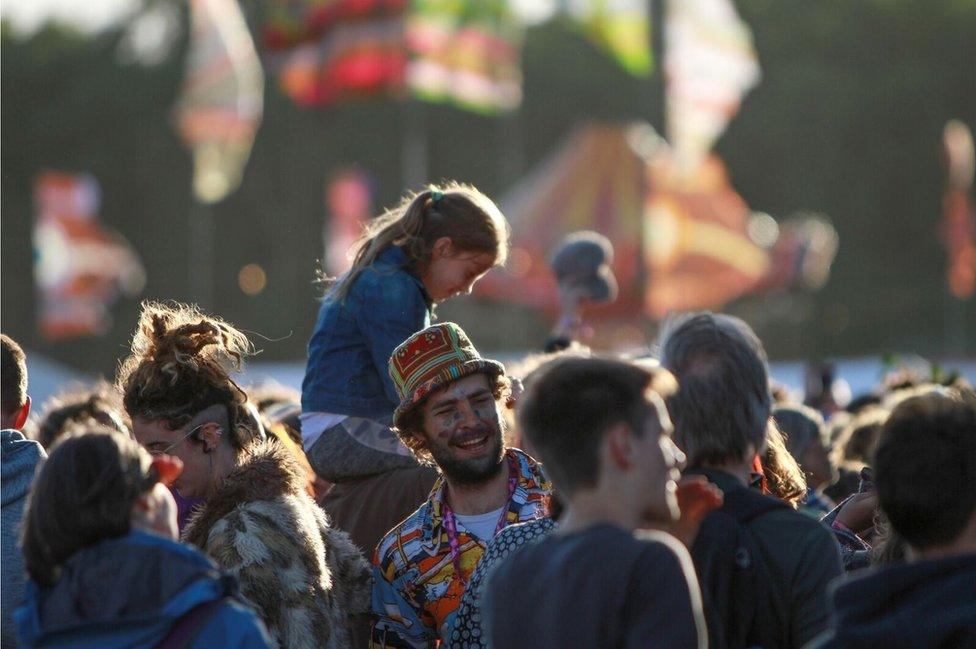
<point>414,149</point>
<point>202,251</point>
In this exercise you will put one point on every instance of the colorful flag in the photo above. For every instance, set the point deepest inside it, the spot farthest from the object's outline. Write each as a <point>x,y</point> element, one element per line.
<point>327,51</point>
<point>709,64</point>
<point>349,206</point>
<point>80,267</point>
<point>465,53</point>
<point>959,212</point>
<point>622,28</point>
<point>221,102</point>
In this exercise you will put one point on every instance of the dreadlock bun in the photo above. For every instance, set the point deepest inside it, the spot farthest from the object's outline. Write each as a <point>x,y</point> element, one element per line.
<point>180,363</point>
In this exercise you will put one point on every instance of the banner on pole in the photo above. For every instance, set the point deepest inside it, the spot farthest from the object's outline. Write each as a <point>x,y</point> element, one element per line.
<point>80,267</point>
<point>222,99</point>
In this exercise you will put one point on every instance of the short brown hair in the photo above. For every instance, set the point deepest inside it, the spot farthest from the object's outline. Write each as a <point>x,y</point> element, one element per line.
<point>83,493</point>
<point>13,387</point>
<point>569,403</point>
<point>411,427</point>
<point>925,467</point>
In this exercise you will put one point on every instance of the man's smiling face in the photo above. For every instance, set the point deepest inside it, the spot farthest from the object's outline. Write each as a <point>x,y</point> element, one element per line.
<point>462,430</point>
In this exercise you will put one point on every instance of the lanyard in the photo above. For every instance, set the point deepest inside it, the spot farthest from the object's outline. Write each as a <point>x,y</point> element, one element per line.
<point>450,522</point>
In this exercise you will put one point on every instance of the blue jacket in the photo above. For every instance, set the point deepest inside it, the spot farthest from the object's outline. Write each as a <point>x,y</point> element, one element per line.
<point>129,592</point>
<point>350,349</point>
<point>19,457</point>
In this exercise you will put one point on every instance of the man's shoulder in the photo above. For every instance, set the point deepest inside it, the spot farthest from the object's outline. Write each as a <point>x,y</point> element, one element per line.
<point>789,524</point>
<point>797,540</point>
<point>655,543</point>
<point>514,538</point>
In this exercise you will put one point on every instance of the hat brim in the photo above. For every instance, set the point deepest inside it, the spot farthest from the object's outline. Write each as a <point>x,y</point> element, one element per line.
<point>413,401</point>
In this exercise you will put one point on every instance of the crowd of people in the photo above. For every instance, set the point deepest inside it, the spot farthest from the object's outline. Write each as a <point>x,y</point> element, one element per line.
<point>418,494</point>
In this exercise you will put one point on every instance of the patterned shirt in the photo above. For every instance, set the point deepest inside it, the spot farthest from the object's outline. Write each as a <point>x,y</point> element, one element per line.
<point>416,587</point>
<point>467,632</point>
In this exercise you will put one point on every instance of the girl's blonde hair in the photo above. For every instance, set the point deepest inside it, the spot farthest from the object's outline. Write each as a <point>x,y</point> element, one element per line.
<point>180,364</point>
<point>454,210</point>
<point>783,474</point>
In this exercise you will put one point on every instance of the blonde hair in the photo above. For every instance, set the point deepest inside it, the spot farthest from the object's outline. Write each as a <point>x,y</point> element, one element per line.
<point>454,210</point>
<point>180,364</point>
<point>783,474</point>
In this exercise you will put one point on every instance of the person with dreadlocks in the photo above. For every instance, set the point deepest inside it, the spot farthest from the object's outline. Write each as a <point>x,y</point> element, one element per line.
<point>304,578</point>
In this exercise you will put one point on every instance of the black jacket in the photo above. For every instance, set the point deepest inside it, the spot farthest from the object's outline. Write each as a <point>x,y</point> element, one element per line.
<point>927,604</point>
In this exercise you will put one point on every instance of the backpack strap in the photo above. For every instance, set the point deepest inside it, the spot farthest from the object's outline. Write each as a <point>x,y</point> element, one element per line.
<point>772,619</point>
<point>190,624</point>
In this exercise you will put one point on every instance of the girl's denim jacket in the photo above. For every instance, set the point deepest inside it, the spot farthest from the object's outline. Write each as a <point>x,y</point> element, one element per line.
<point>350,349</point>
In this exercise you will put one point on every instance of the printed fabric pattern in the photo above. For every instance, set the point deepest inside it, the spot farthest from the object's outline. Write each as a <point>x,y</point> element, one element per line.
<point>466,632</point>
<point>416,588</point>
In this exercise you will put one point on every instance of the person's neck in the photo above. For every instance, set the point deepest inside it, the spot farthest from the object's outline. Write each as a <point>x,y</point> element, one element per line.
<point>963,544</point>
<point>471,500</point>
<point>592,507</point>
<point>225,462</point>
<point>741,471</point>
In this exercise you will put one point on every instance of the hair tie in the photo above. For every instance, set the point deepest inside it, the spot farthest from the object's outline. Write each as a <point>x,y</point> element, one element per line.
<point>435,196</point>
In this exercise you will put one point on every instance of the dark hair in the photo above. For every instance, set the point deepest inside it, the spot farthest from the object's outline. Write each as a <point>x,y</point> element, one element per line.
<point>97,405</point>
<point>723,402</point>
<point>460,212</point>
<point>180,365</point>
<point>410,430</point>
<point>801,426</point>
<point>83,493</point>
<point>855,445</point>
<point>925,467</point>
<point>13,386</point>
<point>569,403</point>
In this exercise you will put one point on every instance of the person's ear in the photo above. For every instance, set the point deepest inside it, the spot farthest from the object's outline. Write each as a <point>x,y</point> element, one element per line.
<point>209,435</point>
<point>443,248</point>
<point>20,419</point>
<point>619,446</point>
<point>141,510</point>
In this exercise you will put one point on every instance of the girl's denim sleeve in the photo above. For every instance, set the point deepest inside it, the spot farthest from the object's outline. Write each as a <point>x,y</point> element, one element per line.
<point>392,308</point>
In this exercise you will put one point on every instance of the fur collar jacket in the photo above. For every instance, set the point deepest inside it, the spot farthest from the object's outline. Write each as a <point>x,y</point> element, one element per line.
<point>303,578</point>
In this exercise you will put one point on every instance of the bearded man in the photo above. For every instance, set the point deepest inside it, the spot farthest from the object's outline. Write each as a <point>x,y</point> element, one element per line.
<point>449,414</point>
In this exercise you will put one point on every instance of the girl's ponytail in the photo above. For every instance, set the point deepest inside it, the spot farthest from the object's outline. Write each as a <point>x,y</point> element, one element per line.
<point>460,212</point>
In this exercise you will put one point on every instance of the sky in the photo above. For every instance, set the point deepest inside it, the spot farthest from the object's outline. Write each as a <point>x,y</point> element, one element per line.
<point>26,16</point>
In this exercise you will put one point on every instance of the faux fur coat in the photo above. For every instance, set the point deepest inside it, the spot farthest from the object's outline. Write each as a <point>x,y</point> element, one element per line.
<point>302,577</point>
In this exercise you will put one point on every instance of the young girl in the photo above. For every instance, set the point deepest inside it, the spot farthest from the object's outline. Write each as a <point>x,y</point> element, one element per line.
<point>434,246</point>
<point>99,543</point>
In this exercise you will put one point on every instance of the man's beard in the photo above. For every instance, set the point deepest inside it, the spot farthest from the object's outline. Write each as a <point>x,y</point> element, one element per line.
<point>475,471</point>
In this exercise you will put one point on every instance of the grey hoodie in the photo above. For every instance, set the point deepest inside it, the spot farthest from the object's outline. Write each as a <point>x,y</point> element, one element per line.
<point>19,457</point>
